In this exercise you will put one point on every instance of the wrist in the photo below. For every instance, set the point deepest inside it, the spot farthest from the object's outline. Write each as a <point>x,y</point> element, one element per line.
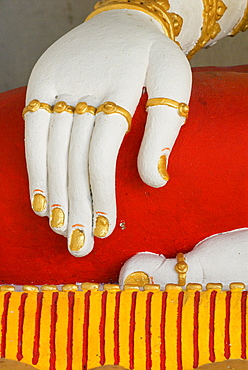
<point>171,22</point>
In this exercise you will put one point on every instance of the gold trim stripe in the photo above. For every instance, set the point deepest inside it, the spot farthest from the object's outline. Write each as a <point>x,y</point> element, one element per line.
<point>183,108</point>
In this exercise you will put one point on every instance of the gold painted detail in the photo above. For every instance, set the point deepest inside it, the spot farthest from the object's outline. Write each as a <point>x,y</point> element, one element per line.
<point>110,108</point>
<point>131,287</point>
<point>157,9</point>
<point>90,286</point>
<point>39,203</point>
<point>34,105</point>
<point>212,13</point>
<point>181,268</point>
<point>151,287</point>
<point>77,240</point>
<point>30,288</point>
<point>238,287</point>
<point>162,168</point>
<point>7,288</point>
<point>108,287</point>
<point>194,287</point>
<point>57,218</point>
<point>102,227</point>
<point>242,25</point>
<point>69,287</point>
<point>214,286</point>
<point>61,107</point>
<point>49,288</point>
<point>182,108</point>
<point>173,288</point>
<point>138,278</point>
<point>83,107</point>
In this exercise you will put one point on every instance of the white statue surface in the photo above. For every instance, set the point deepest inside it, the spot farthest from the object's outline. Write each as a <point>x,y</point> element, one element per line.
<point>84,90</point>
<point>221,258</point>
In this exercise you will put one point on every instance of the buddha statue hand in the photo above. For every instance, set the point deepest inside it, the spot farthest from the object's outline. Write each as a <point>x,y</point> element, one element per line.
<point>81,97</point>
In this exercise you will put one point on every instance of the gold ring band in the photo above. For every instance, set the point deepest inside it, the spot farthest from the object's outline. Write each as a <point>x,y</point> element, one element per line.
<point>34,105</point>
<point>110,108</point>
<point>59,107</point>
<point>183,108</point>
<point>181,268</point>
<point>81,108</point>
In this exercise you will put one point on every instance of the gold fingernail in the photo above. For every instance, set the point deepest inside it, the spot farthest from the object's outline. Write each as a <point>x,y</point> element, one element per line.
<point>39,203</point>
<point>138,278</point>
<point>57,218</point>
<point>77,240</point>
<point>102,226</point>
<point>162,167</point>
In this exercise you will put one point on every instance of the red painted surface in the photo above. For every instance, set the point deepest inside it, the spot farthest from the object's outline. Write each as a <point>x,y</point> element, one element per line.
<point>36,349</point>
<point>205,195</point>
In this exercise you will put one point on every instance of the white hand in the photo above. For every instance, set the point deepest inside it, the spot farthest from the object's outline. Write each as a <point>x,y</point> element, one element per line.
<point>71,158</point>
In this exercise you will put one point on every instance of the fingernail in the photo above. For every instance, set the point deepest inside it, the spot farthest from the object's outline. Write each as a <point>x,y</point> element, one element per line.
<point>102,226</point>
<point>39,203</point>
<point>138,278</point>
<point>162,167</point>
<point>77,240</point>
<point>57,218</point>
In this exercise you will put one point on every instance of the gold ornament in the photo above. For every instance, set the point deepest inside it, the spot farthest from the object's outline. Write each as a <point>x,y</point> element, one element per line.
<point>151,287</point>
<point>61,107</point>
<point>242,25</point>
<point>157,9</point>
<point>181,268</point>
<point>30,288</point>
<point>110,108</point>
<point>212,13</point>
<point>49,288</point>
<point>108,287</point>
<point>182,108</point>
<point>90,286</point>
<point>69,287</point>
<point>83,107</point>
<point>34,105</point>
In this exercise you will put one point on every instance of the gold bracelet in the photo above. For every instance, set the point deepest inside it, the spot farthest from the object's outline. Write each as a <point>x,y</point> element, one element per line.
<point>61,107</point>
<point>181,268</point>
<point>171,22</point>
<point>212,13</point>
<point>242,25</point>
<point>83,107</point>
<point>110,108</point>
<point>34,105</point>
<point>182,108</point>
